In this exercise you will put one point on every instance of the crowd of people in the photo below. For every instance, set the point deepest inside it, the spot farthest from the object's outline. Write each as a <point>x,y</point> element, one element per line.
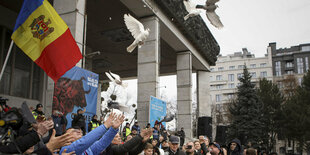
<point>50,136</point>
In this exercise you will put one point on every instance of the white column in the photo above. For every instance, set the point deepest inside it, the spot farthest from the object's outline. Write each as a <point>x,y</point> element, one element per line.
<point>148,69</point>
<point>73,13</point>
<point>203,93</point>
<point>184,92</point>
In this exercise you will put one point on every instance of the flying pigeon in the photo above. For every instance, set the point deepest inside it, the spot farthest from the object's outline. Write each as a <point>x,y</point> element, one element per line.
<point>167,118</point>
<point>116,105</point>
<point>137,31</point>
<point>190,8</point>
<point>116,79</point>
<point>210,8</point>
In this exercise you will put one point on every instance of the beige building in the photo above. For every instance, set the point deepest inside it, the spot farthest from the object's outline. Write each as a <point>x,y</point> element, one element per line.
<point>224,80</point>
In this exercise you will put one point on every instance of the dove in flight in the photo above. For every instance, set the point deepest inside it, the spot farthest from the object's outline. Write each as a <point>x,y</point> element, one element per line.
<point>210,8</point>
<point>116,79</point>
<point>167,118</point>
<point>137,31</point>
<point>191,9</point>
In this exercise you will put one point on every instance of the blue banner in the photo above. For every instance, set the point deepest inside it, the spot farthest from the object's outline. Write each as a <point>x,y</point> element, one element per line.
<point>158,110</point>
<point>76,89</point>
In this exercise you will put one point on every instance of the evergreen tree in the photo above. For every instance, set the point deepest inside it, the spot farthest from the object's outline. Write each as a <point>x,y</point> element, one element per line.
<point>246,112</point>
<point>271,99</point>
<point>296,113</point>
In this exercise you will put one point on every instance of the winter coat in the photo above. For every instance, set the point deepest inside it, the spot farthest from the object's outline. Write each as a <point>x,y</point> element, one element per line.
<point>179,152</point>
<point>238,150</point>
<point>89,144</point>
<point>23,143</point>
<point>132,147</point>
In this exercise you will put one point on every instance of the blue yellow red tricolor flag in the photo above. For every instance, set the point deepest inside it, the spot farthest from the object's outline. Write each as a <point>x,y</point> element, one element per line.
<point>45,38</point>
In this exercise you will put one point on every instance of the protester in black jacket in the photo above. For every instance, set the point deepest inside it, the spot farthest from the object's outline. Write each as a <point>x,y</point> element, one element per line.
<point>235,148</point>
<point>132,147</point>
<point>79,120</point>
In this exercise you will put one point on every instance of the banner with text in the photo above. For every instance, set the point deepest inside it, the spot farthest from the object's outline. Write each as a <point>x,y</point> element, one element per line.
<point>76,89</point>
<point>158,110</point>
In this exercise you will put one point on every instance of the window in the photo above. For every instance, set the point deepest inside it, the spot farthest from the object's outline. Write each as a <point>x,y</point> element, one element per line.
<point>240,75</point>
<point>253,74</point>
<point>22,77</point>
<point>230,96</point>
<point>300,66</point>
<point>263,74</point>
<point>252,65</point>
<point>231,85</point>
<point>231,77</point>
<point>307,63</point>
<point>289,64</point>
<point>220,68</point>
<point>219,78</point>
<point>218,97</point>
<point>263,65</point>
<point>305,48</point>
<point>289,72</point>
<point>278,68</point>
<point>231,67</point>
<point>299,81</point>
<point>219,86</point>
<point>240,66</point>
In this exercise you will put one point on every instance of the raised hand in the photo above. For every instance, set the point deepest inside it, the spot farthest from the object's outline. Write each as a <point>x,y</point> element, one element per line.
<point>146,134</point>
<point>118,121</point>
<point>60,141</point>
<point>43,127</point>
<point>108,123</point>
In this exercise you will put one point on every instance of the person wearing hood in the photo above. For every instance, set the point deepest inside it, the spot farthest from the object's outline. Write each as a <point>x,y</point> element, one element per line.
<point>38,112</point>
<point>79,120</point>
<point>235,148</point>
<point>94,123</point>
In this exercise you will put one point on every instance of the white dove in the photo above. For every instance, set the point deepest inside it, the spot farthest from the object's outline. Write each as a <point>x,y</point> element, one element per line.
<point>191,9</point>
<point>116,79</point>
<point>137,31</point>
<point>210,8</point>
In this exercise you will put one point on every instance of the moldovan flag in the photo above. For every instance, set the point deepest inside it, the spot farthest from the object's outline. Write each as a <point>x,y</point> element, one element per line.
<point>45,38</point>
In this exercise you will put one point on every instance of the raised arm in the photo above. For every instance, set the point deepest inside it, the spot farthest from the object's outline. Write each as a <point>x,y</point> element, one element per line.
<point>80,145</point>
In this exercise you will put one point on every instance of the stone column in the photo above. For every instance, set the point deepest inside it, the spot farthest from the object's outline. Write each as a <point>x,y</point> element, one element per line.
<point>184,92</point>
<point>203,94</point>
<point>72,12</point>
<point>148,69</point>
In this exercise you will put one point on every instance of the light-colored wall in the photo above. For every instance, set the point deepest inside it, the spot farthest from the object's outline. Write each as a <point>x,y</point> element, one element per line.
<point>226,61</point>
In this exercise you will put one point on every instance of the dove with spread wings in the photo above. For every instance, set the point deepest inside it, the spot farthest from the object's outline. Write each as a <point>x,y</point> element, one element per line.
<point>191,9</point>
<point>210,8</point>
<point>116,79</point>
<point>137,31</point>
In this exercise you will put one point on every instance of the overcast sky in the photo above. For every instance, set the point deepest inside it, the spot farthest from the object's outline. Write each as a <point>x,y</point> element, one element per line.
<point>252,24</point>
<point>255,23</point>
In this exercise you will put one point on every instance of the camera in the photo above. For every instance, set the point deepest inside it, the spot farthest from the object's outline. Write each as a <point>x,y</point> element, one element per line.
<point>189,147</point>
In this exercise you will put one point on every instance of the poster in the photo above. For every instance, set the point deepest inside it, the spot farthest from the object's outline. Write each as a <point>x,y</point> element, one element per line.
<point>76,89</point>
<point>158,110</point>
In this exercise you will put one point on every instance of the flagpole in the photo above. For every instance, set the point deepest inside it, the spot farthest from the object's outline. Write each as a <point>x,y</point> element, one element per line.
<point>6,59</point>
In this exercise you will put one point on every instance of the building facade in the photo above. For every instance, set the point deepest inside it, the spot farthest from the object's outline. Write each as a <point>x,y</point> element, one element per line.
<point>224,80</point>
<point>289,61</point>
<point>289,65</point>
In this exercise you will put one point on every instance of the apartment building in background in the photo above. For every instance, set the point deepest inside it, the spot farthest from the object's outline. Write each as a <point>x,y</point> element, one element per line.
<point>293,61</point>
<point>224,80</point>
